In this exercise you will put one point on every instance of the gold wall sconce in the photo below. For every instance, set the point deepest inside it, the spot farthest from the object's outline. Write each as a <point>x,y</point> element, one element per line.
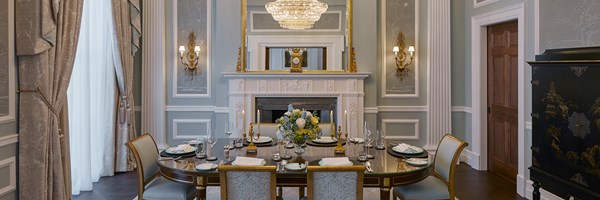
<point>191,67</point>
<point>401,57</point>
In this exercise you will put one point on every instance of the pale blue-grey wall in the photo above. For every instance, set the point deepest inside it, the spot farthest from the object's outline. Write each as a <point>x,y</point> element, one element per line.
<point>226,40</point>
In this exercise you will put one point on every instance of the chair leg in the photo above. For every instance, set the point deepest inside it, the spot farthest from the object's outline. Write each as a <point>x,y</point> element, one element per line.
<point>300,192</point>
<point>280,192</point>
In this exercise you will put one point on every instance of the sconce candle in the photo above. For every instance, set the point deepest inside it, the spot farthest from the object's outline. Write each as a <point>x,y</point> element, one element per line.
<point>192,57</point>
<point>401,57</point>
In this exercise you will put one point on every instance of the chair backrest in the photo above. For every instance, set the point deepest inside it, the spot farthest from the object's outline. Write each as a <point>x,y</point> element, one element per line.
<point>247,182</point>
<point>145,152</point>
<point>335,182</point>
<point>446,157</point>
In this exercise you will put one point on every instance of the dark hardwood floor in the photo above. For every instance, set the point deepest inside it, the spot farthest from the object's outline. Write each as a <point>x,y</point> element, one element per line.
<point>470,184</point>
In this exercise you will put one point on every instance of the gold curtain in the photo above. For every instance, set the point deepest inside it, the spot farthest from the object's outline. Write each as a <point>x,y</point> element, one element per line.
<point>46,36</point>
<point>126,17</point>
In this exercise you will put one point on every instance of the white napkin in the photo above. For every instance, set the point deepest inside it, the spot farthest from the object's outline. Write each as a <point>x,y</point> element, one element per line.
<point>247,161</point>
<point>337,161</point>
<point>184,148</point>
<point>403,147</point>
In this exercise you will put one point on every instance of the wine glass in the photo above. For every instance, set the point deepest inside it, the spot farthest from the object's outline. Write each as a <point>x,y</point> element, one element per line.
<point>212,140</point>
<point>368,134</point>
<point>286,143</point>
<point>368,141</point>
<point>228,133</point>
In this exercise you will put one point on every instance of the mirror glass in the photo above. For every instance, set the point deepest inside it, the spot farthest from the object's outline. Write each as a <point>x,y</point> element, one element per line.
<point>267,45</point>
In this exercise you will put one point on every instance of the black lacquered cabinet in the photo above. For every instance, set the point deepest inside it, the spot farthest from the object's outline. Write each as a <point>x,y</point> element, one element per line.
<point>566,122</point>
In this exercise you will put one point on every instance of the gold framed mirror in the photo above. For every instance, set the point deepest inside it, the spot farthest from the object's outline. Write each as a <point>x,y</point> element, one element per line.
<point>267,47</point>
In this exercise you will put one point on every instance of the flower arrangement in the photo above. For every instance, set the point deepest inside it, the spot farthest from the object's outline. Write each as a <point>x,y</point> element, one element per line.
<point>298,125</point>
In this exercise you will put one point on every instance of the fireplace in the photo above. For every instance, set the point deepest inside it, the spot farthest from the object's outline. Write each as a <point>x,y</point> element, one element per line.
<point>274,107</point>
<point>272,92</point>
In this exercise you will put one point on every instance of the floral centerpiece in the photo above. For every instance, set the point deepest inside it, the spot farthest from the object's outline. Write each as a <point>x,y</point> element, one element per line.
<point>298,125</point>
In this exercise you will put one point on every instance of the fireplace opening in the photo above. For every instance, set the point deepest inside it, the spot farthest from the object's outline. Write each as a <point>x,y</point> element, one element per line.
<point>272,108</point>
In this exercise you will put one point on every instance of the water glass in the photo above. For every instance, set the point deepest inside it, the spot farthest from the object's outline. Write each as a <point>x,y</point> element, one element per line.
<point>200,152</point>
<point>362,153</point>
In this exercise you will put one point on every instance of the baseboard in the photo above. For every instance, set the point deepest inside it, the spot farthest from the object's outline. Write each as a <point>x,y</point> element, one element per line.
<point>521,185</point>
<point>471,158</point>
<point>544,195</point>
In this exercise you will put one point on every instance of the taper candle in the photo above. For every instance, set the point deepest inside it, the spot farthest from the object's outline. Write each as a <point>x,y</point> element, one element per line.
<point>258,119</point>
<point>243,122</point>
<point>345,120</point>
<point>331,120</point>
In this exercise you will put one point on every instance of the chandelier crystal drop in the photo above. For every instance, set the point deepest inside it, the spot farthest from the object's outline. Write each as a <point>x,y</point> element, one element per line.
<point>296,14</point>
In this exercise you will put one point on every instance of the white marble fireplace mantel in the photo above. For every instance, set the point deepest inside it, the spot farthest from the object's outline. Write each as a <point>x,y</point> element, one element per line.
<point>348,88</point>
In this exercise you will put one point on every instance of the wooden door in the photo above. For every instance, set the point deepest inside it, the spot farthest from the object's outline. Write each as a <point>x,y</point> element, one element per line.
<point>502,41</point>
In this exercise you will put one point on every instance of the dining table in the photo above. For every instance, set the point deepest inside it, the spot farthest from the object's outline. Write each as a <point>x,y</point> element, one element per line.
<point>386,170</point>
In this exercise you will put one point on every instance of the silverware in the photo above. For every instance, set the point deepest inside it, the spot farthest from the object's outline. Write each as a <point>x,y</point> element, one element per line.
<point>368,165</point>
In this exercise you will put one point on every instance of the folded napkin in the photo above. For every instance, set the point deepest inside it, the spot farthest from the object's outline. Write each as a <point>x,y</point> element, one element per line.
<point>184,148</point>
<point>247,161</point>
<point>337,161</point>
<point>403,147</point>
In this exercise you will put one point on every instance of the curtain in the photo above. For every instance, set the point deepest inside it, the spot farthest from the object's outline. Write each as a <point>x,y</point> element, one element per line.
<point>91,98</point>
<point>126,16</point>
<point>46,37</point>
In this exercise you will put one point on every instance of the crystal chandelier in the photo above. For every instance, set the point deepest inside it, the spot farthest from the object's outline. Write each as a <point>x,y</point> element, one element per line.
<point>296,14</point>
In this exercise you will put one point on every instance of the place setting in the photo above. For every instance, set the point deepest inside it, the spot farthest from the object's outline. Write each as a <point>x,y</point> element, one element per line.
<point>180,151</point>
<point>407,151</point>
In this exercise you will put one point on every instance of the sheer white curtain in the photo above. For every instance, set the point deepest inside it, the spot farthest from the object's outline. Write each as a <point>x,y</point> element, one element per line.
<point>91,97</point>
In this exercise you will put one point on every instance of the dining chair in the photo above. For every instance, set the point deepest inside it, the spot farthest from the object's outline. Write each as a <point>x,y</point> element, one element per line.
<point>440,185</point>
<point>335,182</point>
<point>247,182</point>
<point>152,185</point>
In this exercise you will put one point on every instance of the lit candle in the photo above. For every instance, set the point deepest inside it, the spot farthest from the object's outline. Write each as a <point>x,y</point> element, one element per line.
<point>258,119</point>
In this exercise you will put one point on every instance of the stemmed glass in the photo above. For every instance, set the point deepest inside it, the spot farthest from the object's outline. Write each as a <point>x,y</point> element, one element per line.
<point>368,141</point>
<point>367,133</point>
<point>212,140</point>
<point>286,142</point>
<point>228,133</point>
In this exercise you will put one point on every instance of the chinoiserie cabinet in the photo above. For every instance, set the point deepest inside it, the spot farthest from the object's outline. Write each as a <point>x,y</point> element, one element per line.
<point>565,98</point>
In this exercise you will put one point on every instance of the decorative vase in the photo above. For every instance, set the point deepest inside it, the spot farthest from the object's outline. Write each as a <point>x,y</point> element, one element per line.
<point>299,145</point>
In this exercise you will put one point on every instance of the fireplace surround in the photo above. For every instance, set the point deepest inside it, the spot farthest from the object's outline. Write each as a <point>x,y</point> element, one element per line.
<point>346,89</point>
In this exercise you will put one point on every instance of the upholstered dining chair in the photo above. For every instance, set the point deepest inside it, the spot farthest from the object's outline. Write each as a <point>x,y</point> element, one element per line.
<point>335,182</point>
<point>247,182</point>
<point>440,185</point>
<point>151,185</point>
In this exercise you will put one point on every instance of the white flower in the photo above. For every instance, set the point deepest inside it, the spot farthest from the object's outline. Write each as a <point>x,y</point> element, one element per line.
<point>300,122</point>
<point>308,115</point>
<point>289,114</point>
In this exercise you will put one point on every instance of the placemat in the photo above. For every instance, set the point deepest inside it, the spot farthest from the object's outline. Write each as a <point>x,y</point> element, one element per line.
<point>423,154</point>
<point>316,144</point>
<point>268,144</point>
<point>186,155</point>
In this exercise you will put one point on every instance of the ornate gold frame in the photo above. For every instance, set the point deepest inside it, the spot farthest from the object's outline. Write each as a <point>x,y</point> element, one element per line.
<point>350,58</point>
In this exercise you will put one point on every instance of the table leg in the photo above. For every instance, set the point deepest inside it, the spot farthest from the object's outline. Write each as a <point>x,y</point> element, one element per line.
<point>201,193</point>
<point>384,193</point>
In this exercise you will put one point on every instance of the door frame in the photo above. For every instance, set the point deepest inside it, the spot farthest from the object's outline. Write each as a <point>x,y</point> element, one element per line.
<point>479,127</point>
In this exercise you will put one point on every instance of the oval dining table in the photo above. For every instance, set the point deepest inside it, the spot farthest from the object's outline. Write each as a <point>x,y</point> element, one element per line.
<point>387,170</point>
